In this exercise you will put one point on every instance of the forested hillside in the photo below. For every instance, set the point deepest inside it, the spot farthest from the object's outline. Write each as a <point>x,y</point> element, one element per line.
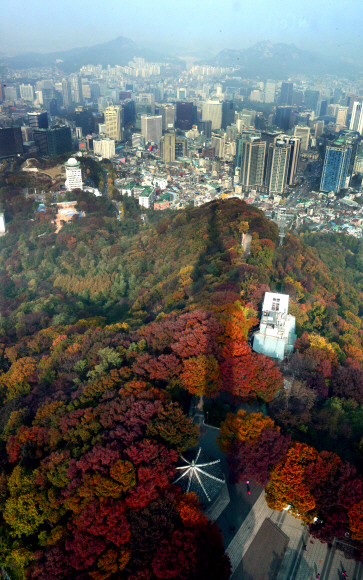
<point>108,328</point>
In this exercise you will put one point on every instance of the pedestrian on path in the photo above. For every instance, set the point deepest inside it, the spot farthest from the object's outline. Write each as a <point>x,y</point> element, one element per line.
<point>318,575</point>
<point>248,487</point>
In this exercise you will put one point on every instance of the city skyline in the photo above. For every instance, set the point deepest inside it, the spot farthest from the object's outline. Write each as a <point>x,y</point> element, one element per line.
<point>323,28</point>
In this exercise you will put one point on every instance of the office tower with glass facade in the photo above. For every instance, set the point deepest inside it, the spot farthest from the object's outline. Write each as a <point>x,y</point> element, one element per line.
<point>335,170</point>
<point>38,120</point>
<point>77,89</point>
<point>295,145</point>
<point>11,142</point>
<point>181,147</point>
<point>168,115</point>
<point>227,113</point>
<point>186,116</point>
<point>66,93</point>
<point>53,141</point>
<point>283,118</point>
<point>286,93</point>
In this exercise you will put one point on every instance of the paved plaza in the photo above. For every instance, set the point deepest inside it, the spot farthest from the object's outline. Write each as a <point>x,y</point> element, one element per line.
<point>246,515</point>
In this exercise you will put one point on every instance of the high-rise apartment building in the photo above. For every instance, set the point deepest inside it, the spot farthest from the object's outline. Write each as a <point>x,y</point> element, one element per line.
<point>303,132</point>
<point>66,93</point>
<point>270,90</point>
<point>104,147</point>
<point>11,142</point>
<point>151,128</point>
<point>218,144</point>
<point>278,158</point>
<point>212,111</point>
<point>73,174</point>
<point>113,122</point>
<point>186,115</point>
<point>252,161</point>
<point>27,92</point>
<point>53,141</point>
<point>335,170</point>
<point>286,93</point>
<point>356,120</point>
<point>227,113</point>
<point>167,147</point>
<point>38,120</point>
<point>168,116</point>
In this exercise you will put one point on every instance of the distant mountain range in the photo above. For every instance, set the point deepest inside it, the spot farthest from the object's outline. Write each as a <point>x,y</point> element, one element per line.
<point>278,61</point>
<point>264,59</point>
<point>118,51</point>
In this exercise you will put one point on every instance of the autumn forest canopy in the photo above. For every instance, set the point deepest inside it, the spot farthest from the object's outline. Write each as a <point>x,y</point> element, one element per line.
<point>108,328</point>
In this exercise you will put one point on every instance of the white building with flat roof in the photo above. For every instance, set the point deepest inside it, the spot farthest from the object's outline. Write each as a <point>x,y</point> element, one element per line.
<point>276,336</point>
<point>104,147</point>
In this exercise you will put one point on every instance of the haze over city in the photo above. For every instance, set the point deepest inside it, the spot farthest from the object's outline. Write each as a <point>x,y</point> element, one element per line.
<point>326,26</point>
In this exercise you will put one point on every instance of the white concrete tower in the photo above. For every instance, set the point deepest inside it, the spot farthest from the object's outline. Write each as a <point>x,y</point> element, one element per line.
<point>74,174</point>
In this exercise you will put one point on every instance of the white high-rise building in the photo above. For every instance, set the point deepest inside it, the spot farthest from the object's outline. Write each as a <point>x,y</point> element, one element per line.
<point>113,122</point>
<point>77,89</point>
<point>74,174</point>
<point>151,128</point>
<point>218,143</point>
<point>27,92</point>
<point>356,121</point>
<point>104,147</point>
<point>212,111</point>
<point>2,223</point>
<point>270,89</point>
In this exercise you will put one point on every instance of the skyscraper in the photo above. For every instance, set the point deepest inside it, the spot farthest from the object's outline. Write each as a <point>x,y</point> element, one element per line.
<point>181,147</point>
<point>82,119</point>
<point>227,113</point>
<point>303,132</point>
<point>278,158</point>
<point>356,121</point>
<point>151,128</point>
<point>295,145</point>
<point>66,93</point>
<point>54,141</point>
<point>168,115</point>
<point>319,128</point>
<point>205,127</point>
<point>286,93</point>
<point>335,170</point>
<point>218,144</point>
<point>252,161</point>
<point>167,147</point>
<point>321,108</point>
<point>113,122</point>
<point>77,89</point>
<point>186,116</point>
<point>342,115</point>
<point>270,89</point>
<point>283,117</point>
<point>38,120</point>
<point>11,142</point>
<point>212,111</point>
<point>27,92</point>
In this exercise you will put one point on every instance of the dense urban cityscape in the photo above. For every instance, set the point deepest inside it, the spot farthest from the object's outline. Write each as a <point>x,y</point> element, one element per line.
<point>181,314</point>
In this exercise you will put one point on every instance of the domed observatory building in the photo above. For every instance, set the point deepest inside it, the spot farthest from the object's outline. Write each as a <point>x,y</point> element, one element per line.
<point>201,474</point>
<point>74,174</point>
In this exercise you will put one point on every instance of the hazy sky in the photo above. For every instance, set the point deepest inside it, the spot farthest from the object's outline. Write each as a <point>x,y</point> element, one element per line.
<point>329,26</point>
